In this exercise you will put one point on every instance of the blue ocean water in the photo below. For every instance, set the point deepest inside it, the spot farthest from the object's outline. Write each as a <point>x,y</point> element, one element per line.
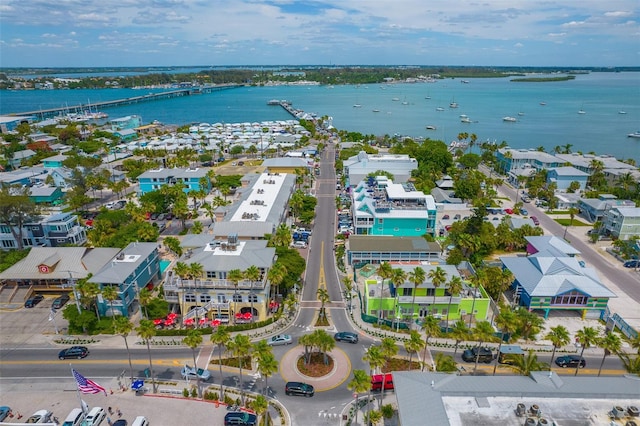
<point>407,109</point>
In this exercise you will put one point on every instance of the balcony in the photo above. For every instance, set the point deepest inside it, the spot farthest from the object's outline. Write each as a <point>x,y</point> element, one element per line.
<point>428,300</point>
<point>175,283</point>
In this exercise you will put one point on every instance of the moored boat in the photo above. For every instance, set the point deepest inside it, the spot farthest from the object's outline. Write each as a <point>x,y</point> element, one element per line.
<point>431,127</point>
<point>509,119</point>
<point>635,134</point>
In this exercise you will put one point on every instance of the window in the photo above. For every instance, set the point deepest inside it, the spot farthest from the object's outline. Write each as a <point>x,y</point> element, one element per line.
<point>222,298</point>
<point>407,291</point>
<point>237,297</point>
<point>211,274</point>
<point>252,298</point>
<point>8,243</point>
<point>205,298</point>
<point>189,297</point>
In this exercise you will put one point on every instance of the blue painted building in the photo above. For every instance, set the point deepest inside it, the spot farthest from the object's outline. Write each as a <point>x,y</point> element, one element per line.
<point>152,180</point>
<point>137,266</point>
<point>381,207</point>
<point>563,176</point>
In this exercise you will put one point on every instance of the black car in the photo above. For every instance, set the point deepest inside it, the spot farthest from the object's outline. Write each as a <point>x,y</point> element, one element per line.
<point>60,301</point>
<point>240,418</point>
<point>632,263</point>
<point>33,301</point>
<point>570,361</point>
<point>299,388</point>
<point>78,352</point>
<point>346,336</point>
<point>120,422</point>
<point>485,355</point>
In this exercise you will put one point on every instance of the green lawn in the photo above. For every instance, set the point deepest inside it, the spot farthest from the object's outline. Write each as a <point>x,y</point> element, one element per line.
<point>568,222</point>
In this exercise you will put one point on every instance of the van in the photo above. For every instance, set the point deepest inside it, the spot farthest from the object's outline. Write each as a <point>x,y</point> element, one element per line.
<point>378,379</point>
<point>140,421</point>
<point>74,418</point>
<point>95,417</point>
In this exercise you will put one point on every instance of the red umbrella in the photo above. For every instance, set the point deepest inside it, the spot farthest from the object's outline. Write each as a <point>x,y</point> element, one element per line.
<point>239,315</point>
<point>189,321</point>
<point>158,321</point>
<point>168,322</point>
<point>247,315</point>
<point>203,321</point>
<point>172,316</point>
<point>215,322</point>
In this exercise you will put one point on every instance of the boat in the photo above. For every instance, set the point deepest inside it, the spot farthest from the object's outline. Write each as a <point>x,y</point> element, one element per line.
<point>635,134</point>
<point>427,97</point>
<point>376,110</point>
<point>357,106</point>
<point>509,119</point>
<point>395,99</point>
<point>622,112</point>
<point>521,114</point>
<point>581,111</point>
<point>431,127</point>
<point>543,103</point>
<point>465,120</point>
<point>453,105</point>
<point>464,81</point>
<point>273,102</point>
<point>463,115</point>
<point>405,103</point>
<point>439,109</point>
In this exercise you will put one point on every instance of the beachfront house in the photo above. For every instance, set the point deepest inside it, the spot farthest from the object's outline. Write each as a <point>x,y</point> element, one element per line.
<point>622,222</point>
<point>136,267</point>
<point>382,207</point>
<point>394,303</point>
<point>193,179</point>
<point>551,278</point>
<point>215,295</point>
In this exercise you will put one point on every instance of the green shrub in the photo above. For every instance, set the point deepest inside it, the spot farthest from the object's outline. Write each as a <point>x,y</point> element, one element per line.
<point>194,392</point>
<point>185,392</point>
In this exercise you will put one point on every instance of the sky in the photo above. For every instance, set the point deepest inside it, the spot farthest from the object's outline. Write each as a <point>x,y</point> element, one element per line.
<point>109,33</point>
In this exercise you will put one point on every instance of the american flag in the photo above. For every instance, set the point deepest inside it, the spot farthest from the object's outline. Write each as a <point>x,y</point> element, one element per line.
<point>85,385</point>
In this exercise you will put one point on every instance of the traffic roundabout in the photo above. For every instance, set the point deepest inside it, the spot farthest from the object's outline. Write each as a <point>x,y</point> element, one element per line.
<point>335,377</point>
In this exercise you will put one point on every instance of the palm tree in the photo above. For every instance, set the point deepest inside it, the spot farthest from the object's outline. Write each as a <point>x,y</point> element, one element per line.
<point>482,332</point>
<point>431,327</point>
<point>524,365</point>
<point>123,326</point>
<point>193,339</point>
<point>323,297</point>
<point>384,271</point>
<point>413,345</point>
<point>325,343</point>
<point>267,366</point>
<point>415,277</point>
<point>235,276</point>
<point>631,363</point>
<point>506,322</point>
<point>559,337</point>
<point>146,330</point>
<point>181,269</point>
<point>460,332</point>
<point>398,278</point>
<point>221,338</point>
<point>276,275</point>
<point>375,358</point>
<point>144,298</point>
<point>438,277</point>
<point>587,337</point>
<point>360,383</point>
<point>388,349</point>
<point>240,347</point>
<point>252,274</point>
<point>110,294</point>
<point>611,343</point>
<point>260,406</point>
<point>445,363</point>
<point>455,287</point>
<point>572,213</point>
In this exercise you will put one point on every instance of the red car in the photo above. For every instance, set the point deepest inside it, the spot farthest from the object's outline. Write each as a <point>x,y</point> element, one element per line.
<point>508,211</point>
<point>535,220</point>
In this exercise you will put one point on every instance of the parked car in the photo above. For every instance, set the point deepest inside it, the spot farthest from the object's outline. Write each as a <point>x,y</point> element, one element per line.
<point>378,379</point>
<point>74,418</point>
<point>508,211</point>
<point>240,418</point>
<point>485,355</point>
<point>120,422</point>
<point>193,373</point>
<point>280,339</point>
<point>300,244</point>
<point>524,212</point>
<point>33,301</point>
<point>140,421</point>
<point>299,388</point>
<point>60,301</point>
<point>445,217</point>
<point>346,336</point>
<point>95,417</point>
<point>631,263</point>
<point>456,217</point>
<point>78,352</point>
<point>4,412</point>
<point>40,416</point>
<point>571,361</point>
<point>240,163</point>
<point>535,220</point>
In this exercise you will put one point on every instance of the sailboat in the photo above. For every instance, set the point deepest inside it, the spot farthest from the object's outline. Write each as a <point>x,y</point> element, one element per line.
<point>453,104</point>
<point>581,111</point>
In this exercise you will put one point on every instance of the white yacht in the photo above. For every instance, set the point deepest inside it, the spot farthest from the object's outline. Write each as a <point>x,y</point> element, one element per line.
<point>509,119</point>
<point>635,134</point>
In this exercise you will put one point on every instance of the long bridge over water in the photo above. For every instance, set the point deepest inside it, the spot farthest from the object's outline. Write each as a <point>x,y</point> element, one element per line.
<point>52,112</point>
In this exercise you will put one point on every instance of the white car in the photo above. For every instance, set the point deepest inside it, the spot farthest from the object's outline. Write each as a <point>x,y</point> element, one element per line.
<point>300,244</point>
<point>280,339</point>
<point>193,373</point>
<point>40,416</point>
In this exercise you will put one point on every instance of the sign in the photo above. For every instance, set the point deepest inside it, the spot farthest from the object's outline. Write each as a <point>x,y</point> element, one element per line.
<point>44,269</point>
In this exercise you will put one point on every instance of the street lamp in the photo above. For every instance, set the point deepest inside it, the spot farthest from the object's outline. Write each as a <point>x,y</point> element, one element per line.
<point>72,284</point>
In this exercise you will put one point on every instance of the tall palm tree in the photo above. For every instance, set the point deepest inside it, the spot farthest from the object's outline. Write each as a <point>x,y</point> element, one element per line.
<point>481,333</point>
<point>431,327</point>
<point>611,343</point>
<point>110,294</point>
<point>587,337</point>
<point>524,365</point>
<point>415,277</point>
<point>235,276</point>
<point>445,363</point>
<point>360,383</point>
<point>455,287</point>
<point>123,326</point>
<point>506,322</point>
<point>193,339</point>
<point>240,347</point>
<point>260,406</point>
<point>252,274</point>
<point>276,275</point>
<point>630,363</point>
<point>221,338</point>
<point>376,360</point>
<point>413,345</point>
<point>146,330</point>
<point>388,349</point>
<point>267,366</point>
<point>398,278</point>
<point>144,298</point>
<point>559,337</point>
<point>384,271</point>
<point>459,332</point>
<point>323,297</point>
<point>181,269</point>
<point>438,277</point>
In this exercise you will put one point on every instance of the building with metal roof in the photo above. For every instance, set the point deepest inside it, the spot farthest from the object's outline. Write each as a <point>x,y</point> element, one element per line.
<point>449,399</point>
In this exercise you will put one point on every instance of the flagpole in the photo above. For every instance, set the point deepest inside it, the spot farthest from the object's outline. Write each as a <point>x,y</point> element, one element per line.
<point>77,388</point>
